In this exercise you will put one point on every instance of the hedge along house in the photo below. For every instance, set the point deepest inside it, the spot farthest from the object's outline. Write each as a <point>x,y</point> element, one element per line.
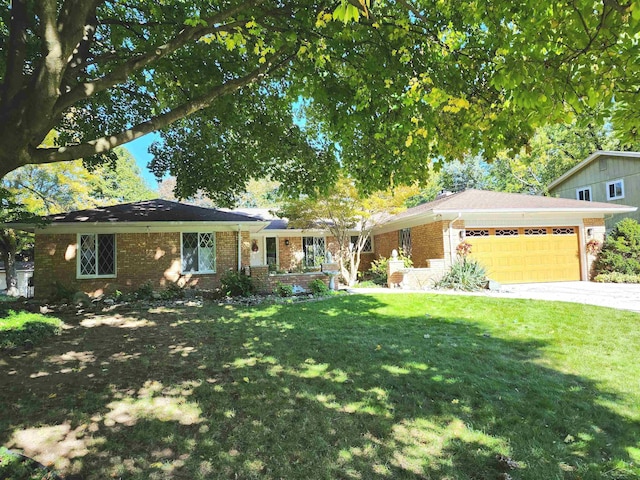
<point>518,238</point>
<point>124,246</point>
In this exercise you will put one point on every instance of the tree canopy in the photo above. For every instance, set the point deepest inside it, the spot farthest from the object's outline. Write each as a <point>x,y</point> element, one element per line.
<point>245,89</point>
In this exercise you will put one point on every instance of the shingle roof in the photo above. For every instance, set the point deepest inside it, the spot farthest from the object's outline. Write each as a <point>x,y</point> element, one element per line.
<point>150,211</point>
<point>486,201</point>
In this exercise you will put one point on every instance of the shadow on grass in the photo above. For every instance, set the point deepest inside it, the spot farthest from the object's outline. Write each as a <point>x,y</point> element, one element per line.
<point>345,388</point>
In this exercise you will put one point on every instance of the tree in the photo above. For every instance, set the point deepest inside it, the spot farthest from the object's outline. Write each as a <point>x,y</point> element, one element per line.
<point>33,191</point>
<point>552,151</point>
<point>390,83</point>
<point>470,172</point>
<point>349,216</point>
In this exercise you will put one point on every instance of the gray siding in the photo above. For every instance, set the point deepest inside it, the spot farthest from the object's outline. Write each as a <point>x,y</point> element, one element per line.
<point>597,174</point>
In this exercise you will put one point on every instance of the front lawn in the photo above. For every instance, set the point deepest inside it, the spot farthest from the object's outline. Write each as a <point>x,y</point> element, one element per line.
<point>362,386</point>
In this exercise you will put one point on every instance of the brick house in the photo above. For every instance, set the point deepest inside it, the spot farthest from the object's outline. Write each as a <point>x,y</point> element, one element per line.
<point>519,238</point>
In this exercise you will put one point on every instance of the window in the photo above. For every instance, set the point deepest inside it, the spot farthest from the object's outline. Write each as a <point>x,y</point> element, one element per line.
<point>314,250</point>
<point>583,194</point>
<point>199,252</point>
<point>367,244</point>
<point>615,190</point>
<point>97,256</point>
<point>404,241</point>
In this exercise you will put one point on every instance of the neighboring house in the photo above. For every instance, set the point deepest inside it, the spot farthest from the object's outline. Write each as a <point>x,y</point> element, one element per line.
<point>611,177</point>
<point>24,270</point>
<point>519,238</point>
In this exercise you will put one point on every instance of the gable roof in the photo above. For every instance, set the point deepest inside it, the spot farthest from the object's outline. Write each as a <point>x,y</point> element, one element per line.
<point>157,210</point>
<point>591,158</point>
<point>487,201</point>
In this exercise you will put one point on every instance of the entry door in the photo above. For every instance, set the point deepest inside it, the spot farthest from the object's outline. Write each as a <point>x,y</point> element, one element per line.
<point>271,249</point>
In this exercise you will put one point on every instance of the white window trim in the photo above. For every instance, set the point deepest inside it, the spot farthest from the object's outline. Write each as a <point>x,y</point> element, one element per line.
<point>215,253</point>
<point>621,181</point>
<point>582,189</point>
<point>79,275</point>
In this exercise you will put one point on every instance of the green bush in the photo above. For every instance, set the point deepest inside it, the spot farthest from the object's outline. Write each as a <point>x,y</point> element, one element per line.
<point>621,250</point>
<point>616,277</point>
<point>144,291</point>
<point>237,284</point>
<point>283,290</point>
<point>173,292</point>
<point>466,274</point>
<point>318,287</point>
<point>20,328</point>
<point>63,292</point>
<point>379,268</point>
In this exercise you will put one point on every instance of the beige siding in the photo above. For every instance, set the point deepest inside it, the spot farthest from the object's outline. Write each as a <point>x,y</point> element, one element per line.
<point>597,174</point>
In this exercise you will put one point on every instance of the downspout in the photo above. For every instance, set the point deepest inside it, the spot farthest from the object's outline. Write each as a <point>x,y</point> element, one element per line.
<point>451,248</point>
<point>239,248</point>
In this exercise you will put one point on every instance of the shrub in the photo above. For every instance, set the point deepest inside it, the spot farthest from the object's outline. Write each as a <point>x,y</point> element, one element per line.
<point>318,287</point>
<point>144,291</point>
<point>237,284</point>
<point>62,292</point>
<point>379,268</point>
<point>621,250</point>
<point>20,328</point>
<point>616,277</point>
<point>173,292</point>
<point>466,274</point>
<point>283,290</point>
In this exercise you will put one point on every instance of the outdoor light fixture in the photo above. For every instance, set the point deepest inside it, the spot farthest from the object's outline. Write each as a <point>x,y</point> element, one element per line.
<point>461,234</point>
<point>286,242</point>
<point>589,232</point>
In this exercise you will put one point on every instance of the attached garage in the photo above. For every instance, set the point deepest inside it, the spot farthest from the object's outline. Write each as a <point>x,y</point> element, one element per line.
<point>527,254</point>
<point>517,238</point>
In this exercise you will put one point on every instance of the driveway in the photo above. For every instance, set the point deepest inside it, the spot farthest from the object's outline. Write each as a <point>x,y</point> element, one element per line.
<point>622,296</point>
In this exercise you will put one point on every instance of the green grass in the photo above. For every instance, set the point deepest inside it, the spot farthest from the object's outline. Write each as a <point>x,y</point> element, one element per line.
<point>20,328</point>
<point>363,386</point>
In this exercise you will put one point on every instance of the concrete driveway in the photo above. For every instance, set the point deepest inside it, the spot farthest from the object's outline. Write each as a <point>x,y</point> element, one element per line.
<point>622,296</point>
<point>614,295</point>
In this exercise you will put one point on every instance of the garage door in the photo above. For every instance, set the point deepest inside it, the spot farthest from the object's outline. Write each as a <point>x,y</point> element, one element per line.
<point>530,254</point>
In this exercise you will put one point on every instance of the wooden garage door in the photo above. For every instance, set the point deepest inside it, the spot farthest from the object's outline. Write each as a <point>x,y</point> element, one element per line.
<point>531,254</point>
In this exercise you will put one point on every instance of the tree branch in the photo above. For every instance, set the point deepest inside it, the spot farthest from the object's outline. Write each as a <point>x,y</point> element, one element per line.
<point>107,143</point>
<point>122,72</point>
<point>16,51</point>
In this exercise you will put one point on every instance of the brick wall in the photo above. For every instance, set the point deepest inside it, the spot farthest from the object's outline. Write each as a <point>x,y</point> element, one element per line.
<point>427,242</point>
<point>385,243</point>
<point>140,257</point>
<point>290,256</point>
<point>593,222</point>
<point>300,279</point>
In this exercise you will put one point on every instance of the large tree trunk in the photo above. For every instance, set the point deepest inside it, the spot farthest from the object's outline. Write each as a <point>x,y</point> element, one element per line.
<point>9,258</point>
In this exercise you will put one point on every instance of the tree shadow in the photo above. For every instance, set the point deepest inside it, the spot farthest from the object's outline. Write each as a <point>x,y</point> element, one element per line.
<point>332,389</point>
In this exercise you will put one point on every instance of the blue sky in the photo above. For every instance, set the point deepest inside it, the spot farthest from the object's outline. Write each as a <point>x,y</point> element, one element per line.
<point>139,149</point>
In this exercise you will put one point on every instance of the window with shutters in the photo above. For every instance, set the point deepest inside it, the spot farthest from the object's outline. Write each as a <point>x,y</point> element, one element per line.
<point>97,255</point>
<point>199,252</point>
